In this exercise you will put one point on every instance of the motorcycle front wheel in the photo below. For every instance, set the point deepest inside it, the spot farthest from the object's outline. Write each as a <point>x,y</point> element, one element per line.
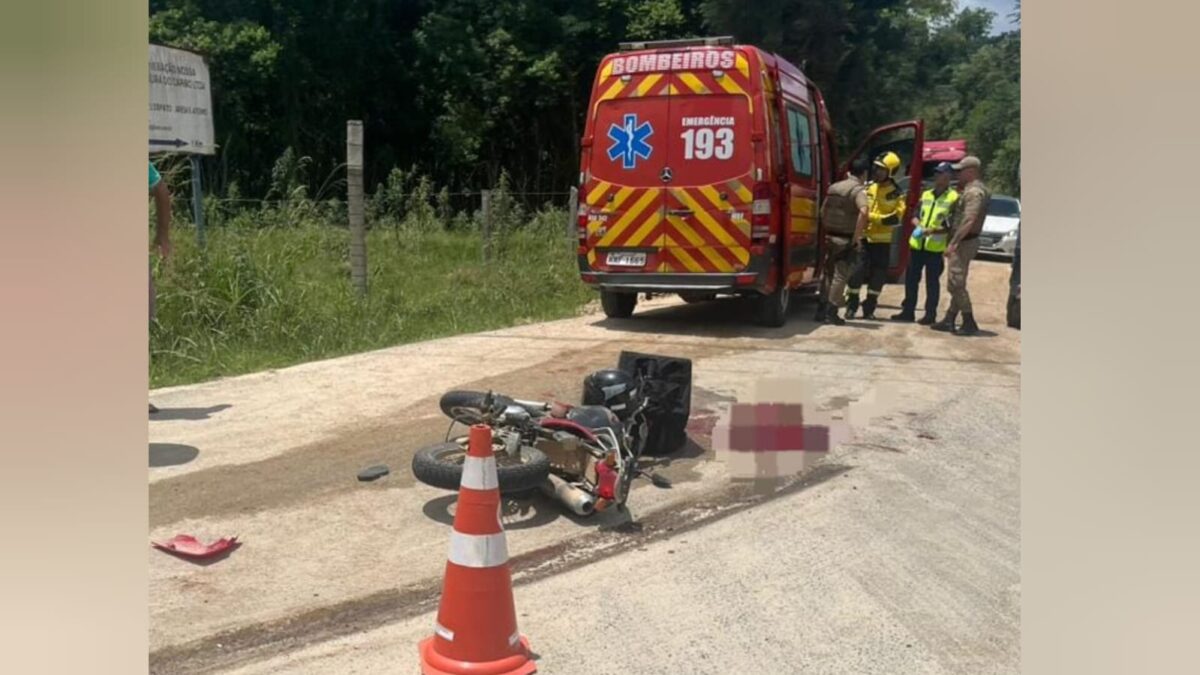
<point>441,466</point>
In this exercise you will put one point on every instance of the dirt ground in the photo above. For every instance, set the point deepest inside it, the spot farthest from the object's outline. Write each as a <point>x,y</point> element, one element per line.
<point>910,530</point>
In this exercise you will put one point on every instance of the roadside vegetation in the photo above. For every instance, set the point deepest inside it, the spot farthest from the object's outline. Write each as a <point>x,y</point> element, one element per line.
<point>272,287</point>
<point>460,95</point>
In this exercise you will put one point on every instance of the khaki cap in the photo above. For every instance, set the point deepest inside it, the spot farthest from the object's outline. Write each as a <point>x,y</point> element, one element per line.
<point>968,162</point>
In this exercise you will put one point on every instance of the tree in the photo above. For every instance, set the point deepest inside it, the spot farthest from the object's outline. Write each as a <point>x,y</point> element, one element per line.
<point>461,90</point>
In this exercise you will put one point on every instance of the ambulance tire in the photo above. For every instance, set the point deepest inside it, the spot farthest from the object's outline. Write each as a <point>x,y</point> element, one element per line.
<point>618,305</point>
<point>772,309</point>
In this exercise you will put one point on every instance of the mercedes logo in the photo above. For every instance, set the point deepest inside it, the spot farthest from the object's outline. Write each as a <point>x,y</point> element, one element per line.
<point>666,174</point>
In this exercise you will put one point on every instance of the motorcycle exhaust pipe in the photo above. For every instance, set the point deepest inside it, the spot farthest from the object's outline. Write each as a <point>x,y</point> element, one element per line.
<point>580,502</point>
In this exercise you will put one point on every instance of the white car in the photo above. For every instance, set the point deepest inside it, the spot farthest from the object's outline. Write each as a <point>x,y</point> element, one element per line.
<point>999,235</point>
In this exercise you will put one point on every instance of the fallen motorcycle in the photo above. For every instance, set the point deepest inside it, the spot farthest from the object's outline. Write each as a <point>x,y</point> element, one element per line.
<point>585,456</point>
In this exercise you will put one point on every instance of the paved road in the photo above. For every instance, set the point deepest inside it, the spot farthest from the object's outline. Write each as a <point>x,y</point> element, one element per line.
<point>899,554</point>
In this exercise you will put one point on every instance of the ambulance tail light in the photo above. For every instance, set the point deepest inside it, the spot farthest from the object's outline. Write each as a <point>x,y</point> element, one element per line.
<point>760,218</point>
<point>581,222</point>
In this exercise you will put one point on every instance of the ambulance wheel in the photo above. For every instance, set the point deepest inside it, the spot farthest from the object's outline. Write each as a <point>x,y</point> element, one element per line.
<point>618,305</point>
<point>772,309</point>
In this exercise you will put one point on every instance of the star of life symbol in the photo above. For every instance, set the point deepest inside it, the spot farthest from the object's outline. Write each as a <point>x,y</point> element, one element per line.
<point>629,141</point>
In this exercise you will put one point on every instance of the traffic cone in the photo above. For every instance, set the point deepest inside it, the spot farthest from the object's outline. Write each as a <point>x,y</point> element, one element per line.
<point>476,630</point>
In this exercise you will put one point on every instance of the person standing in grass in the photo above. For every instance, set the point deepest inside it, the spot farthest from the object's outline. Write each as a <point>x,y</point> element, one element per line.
<point>162,230</point>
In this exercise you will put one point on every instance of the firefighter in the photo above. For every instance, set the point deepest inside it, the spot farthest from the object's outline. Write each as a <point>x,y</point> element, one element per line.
<point>844,217</point>
<point>930,232</point>
<point>885,213</point>
<point>966,221</point>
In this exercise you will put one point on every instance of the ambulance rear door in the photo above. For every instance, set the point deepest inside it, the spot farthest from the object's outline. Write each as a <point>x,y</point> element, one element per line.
<point>626,153</point>
<point>907,140</point>
<point>710,167</point>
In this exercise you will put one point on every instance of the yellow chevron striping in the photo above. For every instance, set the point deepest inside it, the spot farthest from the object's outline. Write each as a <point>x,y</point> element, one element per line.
<point>698,243</point>
<point>597,192</point>
<point>618,199</point>
<point>743,66</point>
<point>611,91</point>
<point>741,191</point>
<point>730,86</point>
<point>681,253</point>
<point>714,197</point>
<point>648,83</point>
<point>629,216</point>
<point>713,226</point>
<point>646,228</point>
<point>693,83</point>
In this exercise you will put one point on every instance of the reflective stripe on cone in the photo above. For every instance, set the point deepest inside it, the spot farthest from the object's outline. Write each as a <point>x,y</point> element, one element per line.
<point>480,473</point>
<point>478,550</point>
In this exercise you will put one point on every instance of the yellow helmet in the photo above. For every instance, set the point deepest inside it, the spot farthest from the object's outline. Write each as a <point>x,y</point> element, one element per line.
<point>888,160</point>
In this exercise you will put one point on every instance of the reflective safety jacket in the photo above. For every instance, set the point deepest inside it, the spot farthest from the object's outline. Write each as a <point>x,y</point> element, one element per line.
<point>934,230</point>
<point>886,211</point>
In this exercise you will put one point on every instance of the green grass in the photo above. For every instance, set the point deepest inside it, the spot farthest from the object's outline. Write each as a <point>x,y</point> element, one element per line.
<point>263,297</point>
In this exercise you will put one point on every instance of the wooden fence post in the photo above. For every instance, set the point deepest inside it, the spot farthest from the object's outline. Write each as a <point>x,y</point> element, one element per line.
<point>354,205</point>
<point>487,225</point>
<point>573,218</point>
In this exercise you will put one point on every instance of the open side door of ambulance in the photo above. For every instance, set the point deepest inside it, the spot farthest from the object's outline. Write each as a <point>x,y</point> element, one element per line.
<point>906,139</point>
<point>800,158</point>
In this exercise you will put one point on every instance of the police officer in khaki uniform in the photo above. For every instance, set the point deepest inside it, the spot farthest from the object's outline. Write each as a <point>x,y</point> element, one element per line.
<point>844,217</point>
<point>966,223</point>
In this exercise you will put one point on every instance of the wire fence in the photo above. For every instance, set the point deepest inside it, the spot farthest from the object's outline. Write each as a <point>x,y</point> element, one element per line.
<point>490,213</point>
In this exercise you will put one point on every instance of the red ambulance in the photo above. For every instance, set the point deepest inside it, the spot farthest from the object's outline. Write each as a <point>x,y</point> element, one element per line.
<point>703,166</point>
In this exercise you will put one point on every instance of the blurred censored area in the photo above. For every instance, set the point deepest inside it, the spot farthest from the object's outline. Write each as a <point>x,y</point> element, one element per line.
<point>782,431</point>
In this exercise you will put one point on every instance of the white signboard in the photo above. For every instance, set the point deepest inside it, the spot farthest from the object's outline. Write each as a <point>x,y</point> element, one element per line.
<point>180,102</point>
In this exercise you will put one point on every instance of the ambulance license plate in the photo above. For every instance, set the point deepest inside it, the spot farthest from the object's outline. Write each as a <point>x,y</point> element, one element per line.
<point>626,259</point>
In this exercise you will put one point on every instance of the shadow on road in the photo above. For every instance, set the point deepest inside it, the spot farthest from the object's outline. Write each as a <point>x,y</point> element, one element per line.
<point>516,513</point>
<point>191,414</point>
<point>171,454</point>
<point>722,318</point>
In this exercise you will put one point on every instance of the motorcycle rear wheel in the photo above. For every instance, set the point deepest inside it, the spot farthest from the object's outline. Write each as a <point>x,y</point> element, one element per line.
<point>441,466</point>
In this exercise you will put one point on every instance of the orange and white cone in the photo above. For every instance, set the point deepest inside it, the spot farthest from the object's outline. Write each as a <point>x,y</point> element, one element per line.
<point>476,630</point>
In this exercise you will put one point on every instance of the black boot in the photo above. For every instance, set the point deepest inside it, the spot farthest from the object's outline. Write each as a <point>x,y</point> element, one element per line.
<point>851,306</point>
<point>868,307</point>
<point>833,318</point>
<point>907,316</point>
<point>946,325</point>
<point>822,312</point>
<point>969,327</point>
<point>928,319</point>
